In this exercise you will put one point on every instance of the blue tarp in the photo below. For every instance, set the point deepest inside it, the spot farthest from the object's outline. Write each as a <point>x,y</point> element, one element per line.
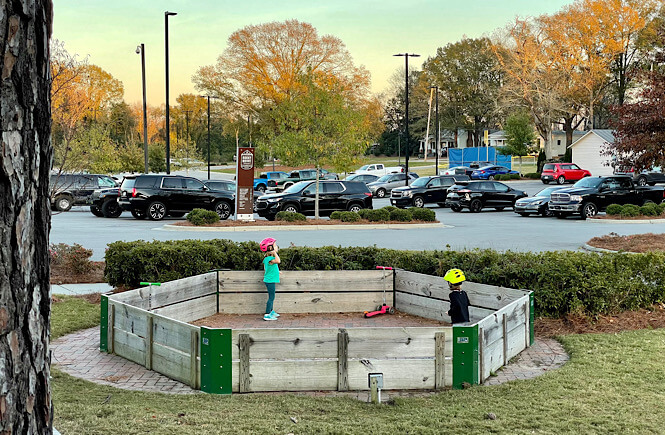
<point>466,156</point>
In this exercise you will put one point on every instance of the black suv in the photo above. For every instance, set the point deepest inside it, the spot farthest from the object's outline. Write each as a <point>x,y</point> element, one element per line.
<point>479,194</point>
<point>425,190</point>
<point>104,203</point>
<point>75,189</point>
<point>300,197</point>
<point>155,196</point>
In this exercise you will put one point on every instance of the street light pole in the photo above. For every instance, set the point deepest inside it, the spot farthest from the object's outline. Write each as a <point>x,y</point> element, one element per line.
<point>438,135</point>
<point>406,108</point>
<point>141,50</point>
<point>167,14</point>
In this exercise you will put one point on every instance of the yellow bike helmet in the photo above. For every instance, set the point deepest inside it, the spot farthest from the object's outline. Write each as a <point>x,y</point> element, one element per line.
<point>454,276</point>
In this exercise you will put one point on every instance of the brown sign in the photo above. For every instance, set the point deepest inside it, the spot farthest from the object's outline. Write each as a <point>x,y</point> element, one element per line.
<point>245,184</point>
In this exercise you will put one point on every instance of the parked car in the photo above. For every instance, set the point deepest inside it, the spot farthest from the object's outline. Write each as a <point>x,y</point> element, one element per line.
<point>104,203</point>
<point>261,183</point>
<point>458,170</point>
<point>279,184</point>
<point>378,169</point>
<point>562,173</point>
<point>476,165</point>
<point>384,185</point>
<point>490,171</point>
<point>327,175</point>
<point>537,204</point>
<point>67,190</point>
<point>155,196</point>
<point>481,194</point>
<point>229,186</point>
<point>363,178</point>
<point>425,190</point>
<point>300,198</point>
<point>649,176</point>
<point>593,194</point>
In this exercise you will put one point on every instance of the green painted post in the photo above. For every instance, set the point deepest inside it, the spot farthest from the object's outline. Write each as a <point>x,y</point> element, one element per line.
<point>532,316</point>
<point>465,355</point>
<point>216,368</point>
<point>104,325</point>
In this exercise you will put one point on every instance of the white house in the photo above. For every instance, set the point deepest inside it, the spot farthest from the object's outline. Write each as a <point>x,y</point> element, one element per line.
<point>587,152</point>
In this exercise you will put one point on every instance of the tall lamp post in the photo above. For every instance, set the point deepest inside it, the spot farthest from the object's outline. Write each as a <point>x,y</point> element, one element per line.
<point>406,108</point>
<point>140,49</point>
<point>209,97</point>
<point>438,135</point>
<point>167,14</point>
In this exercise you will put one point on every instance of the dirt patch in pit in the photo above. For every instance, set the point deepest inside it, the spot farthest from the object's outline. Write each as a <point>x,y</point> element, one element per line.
<point>632,243</point>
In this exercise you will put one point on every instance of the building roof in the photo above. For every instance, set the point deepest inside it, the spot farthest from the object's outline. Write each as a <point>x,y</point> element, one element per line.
<point>606,135</point>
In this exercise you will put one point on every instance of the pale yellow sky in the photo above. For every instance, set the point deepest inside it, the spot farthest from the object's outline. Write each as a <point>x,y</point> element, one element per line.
<point>109,31</point>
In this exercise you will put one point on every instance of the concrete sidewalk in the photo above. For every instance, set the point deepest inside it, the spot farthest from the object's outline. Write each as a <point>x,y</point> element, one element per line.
<point>80,289</point>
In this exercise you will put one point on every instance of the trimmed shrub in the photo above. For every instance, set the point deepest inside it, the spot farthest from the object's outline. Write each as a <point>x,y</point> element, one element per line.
<point>661,208</point>
<point>379,215</point>
<point>74,258</point>
<point>629,210</point>
<point>501,177</point>
<point>288,216</point>
<point>349,216</point>
<point>363,212</point>
<point>650,209</point>
<point>422,214</point>
<point>532,175</point>
<point>563,282</point>
<point>390,208</point>
<point>614,209</point>
<point>336,215</point>
<point>401,215</point>
<point>515,176</point>
<point>200,216</point>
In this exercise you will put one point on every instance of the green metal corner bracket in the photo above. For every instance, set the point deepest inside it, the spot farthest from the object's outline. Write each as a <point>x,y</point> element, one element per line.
<point>465,356</point>
<point>104,324</point>
<point>532,316</point>
<point>216,368</point>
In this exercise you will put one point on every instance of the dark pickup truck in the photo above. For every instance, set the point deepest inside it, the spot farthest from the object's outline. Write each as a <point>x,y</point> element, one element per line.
<point>593,194</point>
<point>280,184</point>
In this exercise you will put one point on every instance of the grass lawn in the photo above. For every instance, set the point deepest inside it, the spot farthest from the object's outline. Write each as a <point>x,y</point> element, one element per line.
<point>614,383</point>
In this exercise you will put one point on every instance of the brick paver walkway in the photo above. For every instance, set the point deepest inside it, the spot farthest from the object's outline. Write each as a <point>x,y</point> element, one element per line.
<point>78,355</point>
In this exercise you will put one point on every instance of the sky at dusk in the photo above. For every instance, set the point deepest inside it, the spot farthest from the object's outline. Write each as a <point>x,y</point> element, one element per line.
<point>108,31</point>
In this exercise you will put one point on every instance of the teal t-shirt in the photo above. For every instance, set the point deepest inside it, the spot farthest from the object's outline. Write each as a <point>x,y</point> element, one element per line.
<point>271,271</point>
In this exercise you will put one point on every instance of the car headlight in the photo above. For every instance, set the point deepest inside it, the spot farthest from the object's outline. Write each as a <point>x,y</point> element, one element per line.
<point>408,193</point>
<point>576,198</point>
<point>274,199</point>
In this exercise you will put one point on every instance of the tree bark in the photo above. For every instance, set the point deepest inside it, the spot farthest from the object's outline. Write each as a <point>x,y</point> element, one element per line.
<point>25,220</point>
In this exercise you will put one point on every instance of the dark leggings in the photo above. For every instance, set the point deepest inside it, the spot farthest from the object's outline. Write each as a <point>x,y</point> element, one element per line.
<point>270,286</point>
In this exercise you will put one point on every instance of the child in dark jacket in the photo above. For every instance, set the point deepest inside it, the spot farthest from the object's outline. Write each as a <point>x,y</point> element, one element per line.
<point>459,301</point>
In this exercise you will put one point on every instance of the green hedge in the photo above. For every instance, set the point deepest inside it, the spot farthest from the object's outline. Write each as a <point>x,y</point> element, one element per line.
<point>423,214</point>
<point>200,216</point>
<point>563,281</point>
<point>400,215</point>
<point>629,210</point>
<point>288,216</point>
<point>532,175</point>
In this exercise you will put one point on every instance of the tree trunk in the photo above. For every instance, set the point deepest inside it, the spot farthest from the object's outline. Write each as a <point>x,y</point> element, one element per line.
<point>316,195</point>
<point>26,153</point>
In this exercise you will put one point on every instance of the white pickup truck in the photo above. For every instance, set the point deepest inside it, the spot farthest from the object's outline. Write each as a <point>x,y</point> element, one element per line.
<point>378,169</point>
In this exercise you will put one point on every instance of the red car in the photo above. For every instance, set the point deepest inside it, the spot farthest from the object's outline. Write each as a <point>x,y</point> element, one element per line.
<point>562,172</point>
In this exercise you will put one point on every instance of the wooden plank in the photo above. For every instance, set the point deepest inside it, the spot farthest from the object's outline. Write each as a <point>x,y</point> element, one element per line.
<point>111,328</point>
<point>517,341</point>
<point>172,363</point>
<point>439,360</point>
<point>131,319</point>
<point>193,359</point>
<point>320,281</point>
<point>492,358</point>
<point>137,298</point>
<point>172,333</point>
<point>433,308</point>
<point>492,324</point>
<point>183,289</point>
<point>294,375</point>
<point>491,296</point>
<point>405,342</point>
<point>129,346</point>
<point>342,361</point>
<point>255,303</point>
<point>243,347</point>
<point>190,311</point>
<point>292,343</point>
<point>505,339</point>
<point>398,374</point>
<point>148,344</point>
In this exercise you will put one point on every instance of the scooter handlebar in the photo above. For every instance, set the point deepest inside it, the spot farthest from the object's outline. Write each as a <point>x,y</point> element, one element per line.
<point>384,267</point>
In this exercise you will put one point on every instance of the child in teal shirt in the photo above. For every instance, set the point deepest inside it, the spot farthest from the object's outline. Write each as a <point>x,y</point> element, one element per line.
<point>270,277</point>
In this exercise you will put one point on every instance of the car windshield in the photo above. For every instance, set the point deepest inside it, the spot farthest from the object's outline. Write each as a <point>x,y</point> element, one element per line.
<point>363,168</point>
<point>546,192</point>
<point>384,178</point>
<point>588,182</point>
<point>548,167</point>
<point>297,188</point>
<point>420,182</point>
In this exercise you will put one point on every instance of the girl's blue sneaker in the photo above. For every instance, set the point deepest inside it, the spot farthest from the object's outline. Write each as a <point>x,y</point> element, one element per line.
<point>274,314</point>
<point>269,317</point>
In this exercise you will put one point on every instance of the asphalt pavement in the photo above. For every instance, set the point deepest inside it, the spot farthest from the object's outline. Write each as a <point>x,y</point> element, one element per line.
<point>502,231</point>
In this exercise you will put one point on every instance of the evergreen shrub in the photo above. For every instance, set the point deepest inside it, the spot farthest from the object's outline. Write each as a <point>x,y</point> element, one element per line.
<point>423,214</point>
<point>288,216</point>
<point>200,216</point>
<point>401,215</point>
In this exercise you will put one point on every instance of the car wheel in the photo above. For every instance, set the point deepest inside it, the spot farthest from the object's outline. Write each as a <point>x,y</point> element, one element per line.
<point>476,206</point>
<point>589,209</point>
<point>290,208</point>
<point>63,202</point>
<point>456,208</point>
<point>418,201</point>
<point>380,193</point>
<point>96,211</point>
<point>523,214</point>
<point>223,209</point>
<point>642,181</point>
<point>111,209</point>
<point>499,208</point>
<point>547,212</point>
<point>561,179</point>
<point>156,211</point>
<point>545,181</point>
<point>490,177</point>
<point>138,214</point>
<point>354,208</point>
<point>261,188</point>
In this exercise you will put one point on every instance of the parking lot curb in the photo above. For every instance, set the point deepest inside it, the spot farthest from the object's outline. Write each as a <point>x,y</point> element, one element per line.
<point>171,227</point>
<point>626,221</point>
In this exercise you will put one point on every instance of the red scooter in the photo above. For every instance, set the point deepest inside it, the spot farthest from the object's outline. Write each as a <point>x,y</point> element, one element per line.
<point>383,308</point>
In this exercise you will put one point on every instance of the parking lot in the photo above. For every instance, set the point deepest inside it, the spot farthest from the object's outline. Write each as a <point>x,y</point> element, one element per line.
<point>488,229</point>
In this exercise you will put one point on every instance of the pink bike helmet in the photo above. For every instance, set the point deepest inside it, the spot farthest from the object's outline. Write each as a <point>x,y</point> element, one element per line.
<point>267,244</point>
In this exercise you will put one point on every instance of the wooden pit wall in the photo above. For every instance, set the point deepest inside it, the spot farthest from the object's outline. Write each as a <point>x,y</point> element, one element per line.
<point>149,325</point>
<point>310,291</point>
<point>341,359</point>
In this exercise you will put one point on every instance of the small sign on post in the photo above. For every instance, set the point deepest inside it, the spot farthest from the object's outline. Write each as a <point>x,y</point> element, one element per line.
<point>245,184</point>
